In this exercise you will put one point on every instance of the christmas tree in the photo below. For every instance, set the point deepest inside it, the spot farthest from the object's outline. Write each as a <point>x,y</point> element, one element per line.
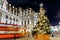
<point>43,25</point>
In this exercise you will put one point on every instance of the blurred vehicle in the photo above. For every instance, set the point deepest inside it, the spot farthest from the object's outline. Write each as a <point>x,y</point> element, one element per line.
<point>12,32</point>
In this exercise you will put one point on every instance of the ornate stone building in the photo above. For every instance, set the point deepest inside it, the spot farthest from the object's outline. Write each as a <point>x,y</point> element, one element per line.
<point>17,16</point>
<point>27,17</point>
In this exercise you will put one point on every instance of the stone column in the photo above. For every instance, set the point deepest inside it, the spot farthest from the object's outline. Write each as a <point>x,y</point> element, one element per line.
<point>20,11</point>
<point>7,7</point>
<point>8,19</point>
<point>30,21</point>
<point>13,10</point>
<point>12,20</point>
<point>15,21</point>
<point>16,11</point>
<point>10,7</point>
<point>30,11</point>
<point>23,22</point>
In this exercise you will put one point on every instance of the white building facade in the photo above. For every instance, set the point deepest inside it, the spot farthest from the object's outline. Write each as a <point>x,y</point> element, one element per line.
<point>17,16</point>
<point>7,16</point>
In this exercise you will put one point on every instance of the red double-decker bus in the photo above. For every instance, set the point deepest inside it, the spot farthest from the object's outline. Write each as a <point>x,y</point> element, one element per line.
<point>11,31</point>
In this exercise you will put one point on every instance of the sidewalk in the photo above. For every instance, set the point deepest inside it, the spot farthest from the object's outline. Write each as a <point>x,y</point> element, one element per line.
<point>54,38</point>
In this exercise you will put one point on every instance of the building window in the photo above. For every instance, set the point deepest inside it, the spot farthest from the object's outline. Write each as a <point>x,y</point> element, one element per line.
<point>18,11</point>
<point>10,18</point>
<point>25,22</point>
<point>22,22</point>
<point>28,22</point>
<point>16,20</point>
<point>28,13</point>
<point>25,13</point>
<point>6,16</point>
<point>6,21</point>
<point>17,14</point>
<point>13,19</point>
<point>14,11</point>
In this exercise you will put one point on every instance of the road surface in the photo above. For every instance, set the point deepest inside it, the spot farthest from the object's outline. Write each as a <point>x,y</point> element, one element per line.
<point>57,37</point>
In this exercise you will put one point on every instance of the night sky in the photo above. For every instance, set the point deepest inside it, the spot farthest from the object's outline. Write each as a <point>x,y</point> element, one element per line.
<point>52,7</point>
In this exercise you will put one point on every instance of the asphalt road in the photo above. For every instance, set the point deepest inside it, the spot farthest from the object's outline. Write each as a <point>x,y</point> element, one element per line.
<point>56,37</point>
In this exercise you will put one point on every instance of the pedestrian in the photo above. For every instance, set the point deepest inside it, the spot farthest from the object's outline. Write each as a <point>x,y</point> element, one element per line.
<point>52,32</point>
